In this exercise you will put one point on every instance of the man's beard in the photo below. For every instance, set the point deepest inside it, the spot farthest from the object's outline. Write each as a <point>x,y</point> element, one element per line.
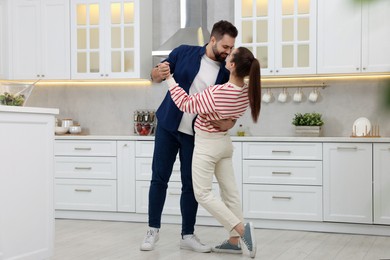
<point>218,56</point>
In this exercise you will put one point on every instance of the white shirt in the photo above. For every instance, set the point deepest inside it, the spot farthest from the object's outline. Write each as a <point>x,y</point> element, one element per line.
<point>206,76</point>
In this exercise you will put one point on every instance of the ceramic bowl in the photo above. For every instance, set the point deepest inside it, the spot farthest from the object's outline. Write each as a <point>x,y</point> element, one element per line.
<point>59,130</point>
<point>75,129</point>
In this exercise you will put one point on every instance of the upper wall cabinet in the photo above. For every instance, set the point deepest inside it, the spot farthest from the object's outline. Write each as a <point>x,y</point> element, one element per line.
<point>39,39</point>
<point>353,36</point>
<point>107,41</point>
<point>281,34</point>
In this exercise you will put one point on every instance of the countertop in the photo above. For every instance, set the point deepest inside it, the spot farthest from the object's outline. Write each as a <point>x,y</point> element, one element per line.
<point>30,110</point>
<point>236,138</point>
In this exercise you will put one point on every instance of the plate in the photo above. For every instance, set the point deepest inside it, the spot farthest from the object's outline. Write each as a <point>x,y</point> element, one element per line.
<point>361,126</point>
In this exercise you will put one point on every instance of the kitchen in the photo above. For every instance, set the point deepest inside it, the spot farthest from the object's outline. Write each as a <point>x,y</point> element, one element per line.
<point>106,108</point>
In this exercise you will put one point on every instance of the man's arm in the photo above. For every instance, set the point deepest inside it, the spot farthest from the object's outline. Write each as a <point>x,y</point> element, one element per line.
<point>224,124</point>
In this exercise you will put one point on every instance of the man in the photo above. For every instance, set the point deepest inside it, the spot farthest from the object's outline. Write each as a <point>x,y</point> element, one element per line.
<point>194,68</point>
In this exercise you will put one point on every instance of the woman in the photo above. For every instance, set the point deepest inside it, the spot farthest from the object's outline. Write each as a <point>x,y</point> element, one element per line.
<point>213,147</point>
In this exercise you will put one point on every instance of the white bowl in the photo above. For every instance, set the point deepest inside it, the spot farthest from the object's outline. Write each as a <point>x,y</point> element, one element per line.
<point>75,129</point>
<point>59,130</point>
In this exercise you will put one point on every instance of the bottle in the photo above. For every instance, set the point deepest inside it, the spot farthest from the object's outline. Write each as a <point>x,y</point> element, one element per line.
<point>240,131</point>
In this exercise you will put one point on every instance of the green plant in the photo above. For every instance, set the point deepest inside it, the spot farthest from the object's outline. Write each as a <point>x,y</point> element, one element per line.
<point>308,119</point>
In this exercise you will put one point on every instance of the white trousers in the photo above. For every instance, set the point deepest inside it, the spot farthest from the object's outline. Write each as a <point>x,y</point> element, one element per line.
<point>213,156</point>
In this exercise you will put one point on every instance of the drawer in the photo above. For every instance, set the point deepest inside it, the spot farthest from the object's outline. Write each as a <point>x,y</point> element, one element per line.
<point>283,202</point>
<point>282,172</point>
<point>84,148</point>
<point>77,194</point>
<point>143,169</point>
<point>144,148</point>
<point>282,151</point>
<point>172,201</point>
<point>85,167</point>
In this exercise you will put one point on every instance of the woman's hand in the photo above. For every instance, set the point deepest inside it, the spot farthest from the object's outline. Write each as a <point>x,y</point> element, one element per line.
<point>224,124</point>
<point>164,70</point>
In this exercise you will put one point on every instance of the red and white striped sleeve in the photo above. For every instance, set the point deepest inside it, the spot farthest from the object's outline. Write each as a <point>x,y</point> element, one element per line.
<point>199,103</point>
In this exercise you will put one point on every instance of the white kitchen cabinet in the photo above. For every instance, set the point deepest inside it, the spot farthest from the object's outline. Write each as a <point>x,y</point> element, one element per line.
<point>39,39</point>
<point>353,37</point>
<point>381,183</point>
<point>111,39</point>
<point>288,202</point>
<point>282,180</point>
<point>126,175</point>
<point>281,34</point>
<point>86,175</point>
<point>26,183</point>
<point>347,182</point>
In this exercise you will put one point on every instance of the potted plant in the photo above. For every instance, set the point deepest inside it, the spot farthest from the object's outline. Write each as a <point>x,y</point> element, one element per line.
<point>308,124</point>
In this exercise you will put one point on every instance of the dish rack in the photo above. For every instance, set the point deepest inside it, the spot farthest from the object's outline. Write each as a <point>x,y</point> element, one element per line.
<point>374,132</point>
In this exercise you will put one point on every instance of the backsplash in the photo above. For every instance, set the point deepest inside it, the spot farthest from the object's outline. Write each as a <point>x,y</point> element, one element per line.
<point>108,110</point>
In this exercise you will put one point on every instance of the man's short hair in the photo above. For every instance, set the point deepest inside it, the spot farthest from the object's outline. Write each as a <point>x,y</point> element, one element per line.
<point>223,27</point>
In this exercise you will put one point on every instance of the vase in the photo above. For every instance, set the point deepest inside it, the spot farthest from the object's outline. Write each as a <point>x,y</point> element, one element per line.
<point>310,131</point>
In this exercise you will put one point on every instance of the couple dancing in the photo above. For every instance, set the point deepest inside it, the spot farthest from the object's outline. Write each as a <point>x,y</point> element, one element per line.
<point>207,83</point>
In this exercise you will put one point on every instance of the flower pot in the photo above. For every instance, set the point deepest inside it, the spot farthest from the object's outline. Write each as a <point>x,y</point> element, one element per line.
<point>310,131</point>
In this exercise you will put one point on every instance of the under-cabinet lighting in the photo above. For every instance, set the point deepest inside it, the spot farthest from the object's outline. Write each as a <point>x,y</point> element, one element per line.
<point>132,82</point>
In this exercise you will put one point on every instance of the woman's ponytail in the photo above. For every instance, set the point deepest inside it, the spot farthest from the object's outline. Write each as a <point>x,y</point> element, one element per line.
<point>254,91</point>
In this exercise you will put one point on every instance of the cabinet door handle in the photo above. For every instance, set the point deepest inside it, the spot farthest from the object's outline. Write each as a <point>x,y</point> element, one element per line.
<point>281,197</point>
<point>83,148</point>
<point>281,151</point>
<point>174,193</point>
<point>83,168</point>
<point>281,173</point>
<point>82,190</point>
<point>347,148</point>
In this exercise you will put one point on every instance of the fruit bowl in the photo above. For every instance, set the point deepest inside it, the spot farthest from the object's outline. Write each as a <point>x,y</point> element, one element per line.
<point>12,94</point>
<point>143,128</point>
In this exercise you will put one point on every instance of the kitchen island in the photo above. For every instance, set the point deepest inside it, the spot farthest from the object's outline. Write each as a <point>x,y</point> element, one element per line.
<point>26,182</point>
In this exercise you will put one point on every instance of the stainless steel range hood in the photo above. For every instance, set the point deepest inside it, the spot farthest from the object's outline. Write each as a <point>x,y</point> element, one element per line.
<point>193,31</point>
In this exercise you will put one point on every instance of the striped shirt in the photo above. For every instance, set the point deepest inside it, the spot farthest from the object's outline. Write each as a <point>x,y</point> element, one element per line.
<point>214,103</point>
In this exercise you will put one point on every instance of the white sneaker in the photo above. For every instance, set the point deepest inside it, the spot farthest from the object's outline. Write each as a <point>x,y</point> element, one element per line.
<point>191,242</point>
<point>150,239</point>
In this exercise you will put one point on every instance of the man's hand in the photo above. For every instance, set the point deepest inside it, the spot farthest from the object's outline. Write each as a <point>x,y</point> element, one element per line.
<point>160,72</point>
<point>224,124</point>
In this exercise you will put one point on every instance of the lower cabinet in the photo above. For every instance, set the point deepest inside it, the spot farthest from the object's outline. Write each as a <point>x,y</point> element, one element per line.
<point>85,175</point>
<point>348,182</point>
<point>382,184</point>
<point>282,181</point>
<point>290,202</point>
<point>125,176</point>
<point>340,182</point>
<point>84,194</point>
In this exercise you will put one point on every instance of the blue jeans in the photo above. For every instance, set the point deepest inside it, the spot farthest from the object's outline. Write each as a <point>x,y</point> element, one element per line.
<point>166,146</point>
